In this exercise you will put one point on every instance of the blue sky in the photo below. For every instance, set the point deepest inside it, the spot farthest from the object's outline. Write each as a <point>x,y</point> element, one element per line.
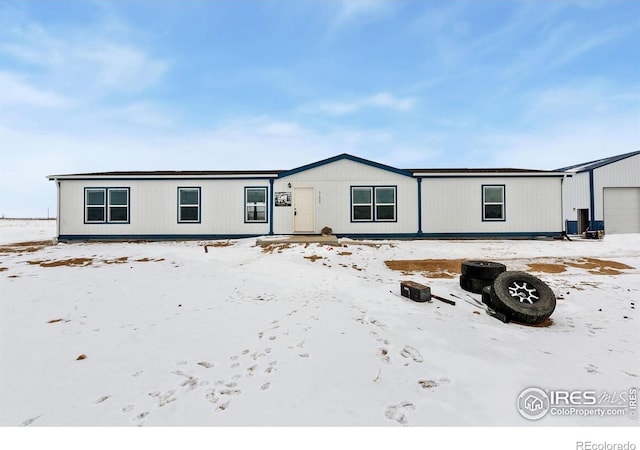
<point>145,85</point>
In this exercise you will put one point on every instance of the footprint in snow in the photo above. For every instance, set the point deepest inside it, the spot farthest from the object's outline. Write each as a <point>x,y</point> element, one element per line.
<point>28,422</point>
<point>383,353</point>
<point>205,364</point>
<point>397,412</point>
<point>102,399</point>
<point>222,407</point>
<point>413,353</point>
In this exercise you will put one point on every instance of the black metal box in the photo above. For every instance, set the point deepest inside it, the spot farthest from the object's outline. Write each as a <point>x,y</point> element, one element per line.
<point>415,291</point>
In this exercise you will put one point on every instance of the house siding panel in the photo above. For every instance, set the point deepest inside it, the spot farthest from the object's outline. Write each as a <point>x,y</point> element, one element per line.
<point>154,208</point>
<point>332,189</point>
<point>532,205</point>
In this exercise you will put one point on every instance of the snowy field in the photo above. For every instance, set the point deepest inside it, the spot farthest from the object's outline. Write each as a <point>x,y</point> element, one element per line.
<point>165,334</point>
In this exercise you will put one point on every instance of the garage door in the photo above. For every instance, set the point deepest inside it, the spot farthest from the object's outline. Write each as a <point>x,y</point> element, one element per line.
<point>622,210</point>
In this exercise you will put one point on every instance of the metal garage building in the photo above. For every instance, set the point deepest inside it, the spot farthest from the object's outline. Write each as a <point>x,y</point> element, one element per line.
<point>603,195</point>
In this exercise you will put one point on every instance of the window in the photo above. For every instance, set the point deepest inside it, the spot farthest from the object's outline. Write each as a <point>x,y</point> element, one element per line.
<point>373,203</point>
<point>255,201</point>
<point>189,205</point>
<point>106,205</point>
<point>493,203</point>
<point>94,211</point>
<point>362,203</point>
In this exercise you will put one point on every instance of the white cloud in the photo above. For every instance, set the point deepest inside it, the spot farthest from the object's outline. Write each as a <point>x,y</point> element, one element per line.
<point>350,12</point>
<point>119,67</point>
<point>382,100</point>
<point>88,57</point>
<point>15,91</point>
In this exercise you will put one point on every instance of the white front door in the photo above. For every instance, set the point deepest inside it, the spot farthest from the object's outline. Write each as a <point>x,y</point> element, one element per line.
<point>303,210</point>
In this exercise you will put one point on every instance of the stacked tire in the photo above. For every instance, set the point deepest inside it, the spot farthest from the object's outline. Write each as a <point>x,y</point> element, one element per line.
<point>476,275</point>
<point>518,295</point>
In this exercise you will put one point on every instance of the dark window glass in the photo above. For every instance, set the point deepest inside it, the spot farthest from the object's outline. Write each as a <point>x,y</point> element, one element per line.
<point>385,212</point>
<point>188,213</point>
<point>95,196</point>
<point>361,195</point>
<point>385,195</point>
<point>493,211</point>
<point>493,194</point>
<point>118,214</point>
<point>95,214</point>
<point>189,196</point>
<point>362,212</point>
<point>118,197</point>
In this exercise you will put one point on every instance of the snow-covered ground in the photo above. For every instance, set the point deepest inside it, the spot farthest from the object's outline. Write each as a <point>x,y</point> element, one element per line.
<point>300,335</point>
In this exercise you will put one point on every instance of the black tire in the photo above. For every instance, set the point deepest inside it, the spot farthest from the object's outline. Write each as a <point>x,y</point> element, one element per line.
<point>486,297</point>
<point>522,297</point>
<point>473,285</point>
<point>482,270</point>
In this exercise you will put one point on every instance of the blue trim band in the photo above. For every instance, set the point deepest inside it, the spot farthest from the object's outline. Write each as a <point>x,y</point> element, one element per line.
<point>419,206</point>
<point>511,235</point>
<point>152,237</point>
<point>592,202</point>
<point>271,204</point>
<point>191,237</point>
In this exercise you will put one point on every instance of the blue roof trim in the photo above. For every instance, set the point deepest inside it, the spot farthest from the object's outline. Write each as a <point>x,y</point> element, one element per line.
<point>186,178</point>
<point>346,156</point>
<point>585,167</point>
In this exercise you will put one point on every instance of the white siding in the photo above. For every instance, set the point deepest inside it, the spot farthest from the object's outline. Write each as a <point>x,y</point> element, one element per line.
<point>332,185</point>
<point>454,205</point>
<point>623,173</point>
<point>576,195</point>
<point>622,210</point>
<point>153,206</point>
<point>577,192</point>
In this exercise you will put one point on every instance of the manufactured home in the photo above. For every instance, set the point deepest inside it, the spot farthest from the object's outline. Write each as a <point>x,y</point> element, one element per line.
<point>353,196</point>
<point>603,195</point>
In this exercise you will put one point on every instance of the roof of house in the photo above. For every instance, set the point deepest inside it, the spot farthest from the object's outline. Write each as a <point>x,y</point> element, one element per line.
<point>154,174</point>
<point>585,167</point>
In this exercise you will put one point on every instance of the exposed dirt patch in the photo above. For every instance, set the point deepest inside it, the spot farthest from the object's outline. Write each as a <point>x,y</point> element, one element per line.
<point>54,320</point>
<point>313,258</point>
<point>599,266</point>
<point>87,261</point>
<point>63,262</point>
<point>121,260</point>
<point>25,247</point>
<point>547,267</point>
<point>220,244</point>
<point>450,268</point>
<point>270,248</point>
<point>2,269</point>
<point>432,268</point>
<point>345,253</point>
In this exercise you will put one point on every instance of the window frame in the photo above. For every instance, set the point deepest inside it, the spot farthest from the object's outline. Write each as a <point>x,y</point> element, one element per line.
<point>106,205</point>
<point>246,204</point>
<point>198,205</point>
<point>503,203</point>
<point>373,216</point>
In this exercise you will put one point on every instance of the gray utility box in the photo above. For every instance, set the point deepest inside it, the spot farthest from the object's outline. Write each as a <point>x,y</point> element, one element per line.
<point>415,291</point>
